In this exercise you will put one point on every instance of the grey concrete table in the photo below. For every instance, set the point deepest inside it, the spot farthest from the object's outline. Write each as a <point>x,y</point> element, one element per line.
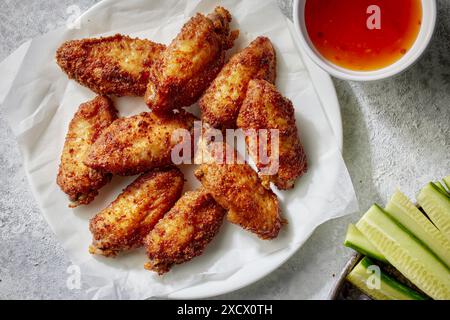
<point>396,133</point>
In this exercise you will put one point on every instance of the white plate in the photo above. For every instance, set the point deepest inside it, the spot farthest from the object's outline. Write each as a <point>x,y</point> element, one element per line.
<point>47,101</point>
<point>254,271</point>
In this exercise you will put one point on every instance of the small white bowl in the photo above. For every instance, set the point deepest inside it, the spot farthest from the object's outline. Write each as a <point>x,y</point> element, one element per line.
<point>423,39</point>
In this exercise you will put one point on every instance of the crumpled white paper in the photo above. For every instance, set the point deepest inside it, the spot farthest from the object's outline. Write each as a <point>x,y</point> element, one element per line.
<point>39,101</point>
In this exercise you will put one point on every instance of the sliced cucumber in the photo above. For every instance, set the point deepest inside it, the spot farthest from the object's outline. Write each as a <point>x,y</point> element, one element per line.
<point>406,253</point>
<point>389,289</point>
<point>405,212</point>
<point>356,240</point>
<point>441,187</point>
<point>447,182</point>
<point>437,207</point>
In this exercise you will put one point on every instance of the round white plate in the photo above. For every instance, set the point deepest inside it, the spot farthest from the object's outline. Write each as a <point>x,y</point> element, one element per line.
<point>254,271</point>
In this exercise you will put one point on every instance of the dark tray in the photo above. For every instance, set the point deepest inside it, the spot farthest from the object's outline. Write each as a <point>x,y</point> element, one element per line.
<point>344,290</point>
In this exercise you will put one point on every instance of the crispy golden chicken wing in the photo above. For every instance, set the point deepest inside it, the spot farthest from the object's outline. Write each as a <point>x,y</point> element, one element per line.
<point>138,143</point>
<point>80,182</point>
<point>117,65</point>
<point>265,108</point>
<point>221,102</point>
<point>128,219</point>
<point>237,188</point>
<point>190,62</point>
<point>184,232</point>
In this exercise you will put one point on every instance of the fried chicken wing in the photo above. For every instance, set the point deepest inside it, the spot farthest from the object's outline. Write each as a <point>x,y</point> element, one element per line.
<point>78,181</point>
<point>190,62</point>
<point>117,65</point>
<point>128,219</point>
<point>237,188</point>
<point>222,100</point>
<point>138,143</point>
<point>184,232</point>
<point>265,108</point>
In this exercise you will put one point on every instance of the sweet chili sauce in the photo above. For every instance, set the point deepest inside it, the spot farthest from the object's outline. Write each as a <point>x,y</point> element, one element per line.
<point>340,31</point>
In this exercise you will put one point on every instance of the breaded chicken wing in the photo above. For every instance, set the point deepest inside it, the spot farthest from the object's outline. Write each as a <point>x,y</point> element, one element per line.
<point>237,188</point>
<point>265,108</point>
<point>128,219</point>
<point>184,232</point>
<point>190,62</point>
<point>221,102</point>
<point>138,143</point>
<point>117,65</point>
<point>80,182</point>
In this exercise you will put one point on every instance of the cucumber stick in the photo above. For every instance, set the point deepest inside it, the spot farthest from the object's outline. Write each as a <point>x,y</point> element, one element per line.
<point>405,212</point>
<point>406,253</point>
<point>357,241</point>
<point>437,207</point>
<point>363,276</point>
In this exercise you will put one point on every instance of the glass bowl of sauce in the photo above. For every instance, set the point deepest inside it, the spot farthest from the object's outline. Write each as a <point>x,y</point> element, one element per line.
<point>364,40</point>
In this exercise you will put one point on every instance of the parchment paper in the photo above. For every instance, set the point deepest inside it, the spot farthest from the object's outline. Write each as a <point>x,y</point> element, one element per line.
<point>39,101</point>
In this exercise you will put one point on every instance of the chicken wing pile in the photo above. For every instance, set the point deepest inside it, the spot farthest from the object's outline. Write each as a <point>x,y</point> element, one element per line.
<point>152,212</point>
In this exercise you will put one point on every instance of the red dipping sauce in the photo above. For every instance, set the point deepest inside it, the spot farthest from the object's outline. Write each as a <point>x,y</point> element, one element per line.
<point>363,35</point>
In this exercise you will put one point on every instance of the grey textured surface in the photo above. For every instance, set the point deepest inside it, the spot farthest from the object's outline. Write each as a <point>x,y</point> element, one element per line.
<point>396,134</point>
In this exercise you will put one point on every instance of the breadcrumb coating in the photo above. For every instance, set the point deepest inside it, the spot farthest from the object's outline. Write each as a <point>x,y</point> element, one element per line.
<point>78,181</point>
<point>116,65</point>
